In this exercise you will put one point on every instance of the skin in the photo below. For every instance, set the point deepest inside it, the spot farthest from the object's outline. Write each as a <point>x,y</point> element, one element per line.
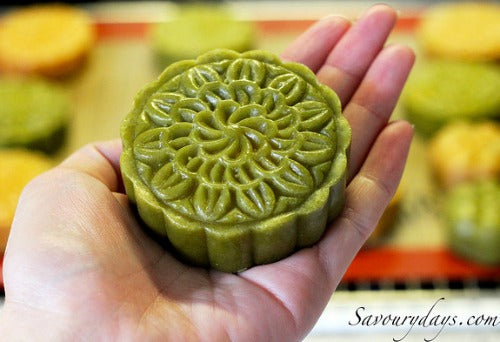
<point>79,267</point>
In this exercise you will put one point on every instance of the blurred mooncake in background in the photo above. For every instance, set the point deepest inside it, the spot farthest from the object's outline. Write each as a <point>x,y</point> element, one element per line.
<point>442,91</point>
<point>464,31</point>
<point>473,216</point>
<point>49,40</point>
<point>198,29</point>
<point>34,113</point>
<point>464,151</point>
<point>17,168</point>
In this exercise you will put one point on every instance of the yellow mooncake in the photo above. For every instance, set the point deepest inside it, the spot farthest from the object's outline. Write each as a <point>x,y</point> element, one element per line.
<point>466,31</point>
<point>17,168</point>
<point>463,151</point>
<point>49,40</point>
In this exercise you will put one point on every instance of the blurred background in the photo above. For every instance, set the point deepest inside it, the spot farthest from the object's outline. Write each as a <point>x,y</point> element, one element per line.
<point>440,237</point>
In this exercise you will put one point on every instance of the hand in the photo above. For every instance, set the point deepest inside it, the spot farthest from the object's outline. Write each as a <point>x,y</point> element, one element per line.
<point>79,267</point>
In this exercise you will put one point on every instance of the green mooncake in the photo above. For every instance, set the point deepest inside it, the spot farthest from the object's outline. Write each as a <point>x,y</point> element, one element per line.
<point>198,29</point>
<point>441,91</point>
<point>33,114</point>
<point>473,213</point>
<point>237,159</point>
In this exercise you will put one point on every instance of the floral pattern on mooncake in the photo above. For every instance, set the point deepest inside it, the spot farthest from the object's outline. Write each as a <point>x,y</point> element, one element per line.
<point>238,159</point>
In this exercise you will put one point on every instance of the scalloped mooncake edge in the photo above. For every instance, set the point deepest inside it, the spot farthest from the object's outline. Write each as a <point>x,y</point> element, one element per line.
<point>234,242</point>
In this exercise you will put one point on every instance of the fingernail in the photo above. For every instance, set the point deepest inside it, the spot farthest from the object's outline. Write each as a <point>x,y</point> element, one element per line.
<point>378,7</point>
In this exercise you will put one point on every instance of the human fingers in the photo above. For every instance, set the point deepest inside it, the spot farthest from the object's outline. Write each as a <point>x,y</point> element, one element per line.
<point>313,46</point>
<point>367,196</point>
<point>315,272</point>
<point>99,160</point>
<point>351,57</point>
<point>123,200</point>
<point>375,99</point>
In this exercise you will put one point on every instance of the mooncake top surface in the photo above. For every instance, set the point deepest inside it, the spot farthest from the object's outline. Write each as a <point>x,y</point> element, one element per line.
<point>233,138</point>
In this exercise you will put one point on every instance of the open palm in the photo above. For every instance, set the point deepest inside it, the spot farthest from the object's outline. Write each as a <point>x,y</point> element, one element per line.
<point>78,266</point>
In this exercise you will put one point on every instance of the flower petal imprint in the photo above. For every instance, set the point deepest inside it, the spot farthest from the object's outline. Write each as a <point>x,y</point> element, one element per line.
<point>237,159</point>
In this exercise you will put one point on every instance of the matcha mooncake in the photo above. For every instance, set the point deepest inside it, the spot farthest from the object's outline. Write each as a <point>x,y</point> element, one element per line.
<point>440,91</point>
<point>473,215</point>
<point>33,113</point>
<point>237,159</point>
<point>198,29</point>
